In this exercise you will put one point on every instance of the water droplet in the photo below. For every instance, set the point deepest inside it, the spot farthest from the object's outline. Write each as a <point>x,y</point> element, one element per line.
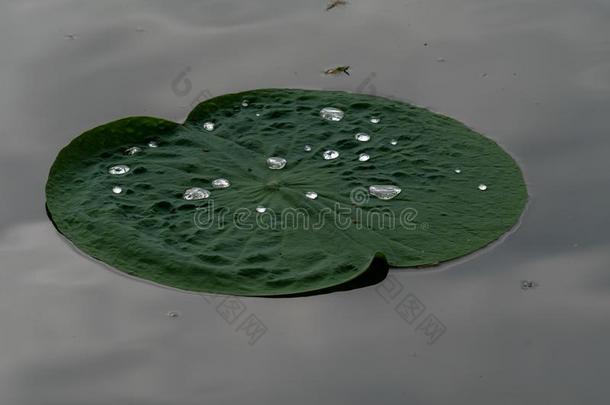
<point>117,190</point>
<point>458,171</point>
<point>195,193</point>
<point>258,114</point>
<point>482,187</point>
<point>440,59</point>
<point>276,163</point>
<point>394,142</point>
<point>363,157</point>
<point>260,209</point>
<point>312,195</point>
<point>307,148</point>
<point>331,114</point>
<point>221,183</point>
<point>244,103</point>
<point>362,137</point>
<point>386,192</point>
<point>119,169</point>
<point>153,144</point>
<point>133,150</point>
<point>527,284</point>
<point>208,126</point>
<point>375,120</point>
<point>173,314</point>
<point>330,154</point>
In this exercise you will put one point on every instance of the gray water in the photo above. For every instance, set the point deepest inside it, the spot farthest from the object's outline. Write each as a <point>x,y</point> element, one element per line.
<point>532,75</point>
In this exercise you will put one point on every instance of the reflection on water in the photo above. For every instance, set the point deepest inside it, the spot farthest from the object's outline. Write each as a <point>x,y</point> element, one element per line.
<point>74,332</point>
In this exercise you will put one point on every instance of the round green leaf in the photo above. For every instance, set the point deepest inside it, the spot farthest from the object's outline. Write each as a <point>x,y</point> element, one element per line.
<point>459,192</point>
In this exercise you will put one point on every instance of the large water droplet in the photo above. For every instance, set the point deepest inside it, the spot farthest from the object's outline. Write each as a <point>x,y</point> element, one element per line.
<point>245,103</point>
<point>363,157</point>
<point>307,148</point>
<point>394,142</point>
<point>133,150</point>
<point>458,171</point>
<point>375,120</point>
<point>153,144</point>
<point>362,137</point>
<point>330,154</point>
<point>331,114</point>
<point>117,190</point>
<point>482,187</point>
<point>260,209</point>
<point>119,169</point>
<point>312,195</point>
<point>221,183</point>
<point>208,126</point>
<point>384,192</point>
<point>195,193</point>
<point>276,163</point>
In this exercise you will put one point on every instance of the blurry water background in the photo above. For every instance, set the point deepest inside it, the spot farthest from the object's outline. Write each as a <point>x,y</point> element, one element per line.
<point>534,75</point>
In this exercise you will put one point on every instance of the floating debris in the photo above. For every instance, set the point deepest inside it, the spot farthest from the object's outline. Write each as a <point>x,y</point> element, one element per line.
<point>208,126</point>
<point>331,114</point>
<point>527,284</point>
<point>337,70</point>
<point>196,193</point>
<point>276,163</point>
<point>335,3</point>
<point>119,170</point>
<point>173,314</point>
<point>312,195</point>
<point>330,154</point>
<point>362,137</point>
<point>221,183</point>
<point>385,192</point>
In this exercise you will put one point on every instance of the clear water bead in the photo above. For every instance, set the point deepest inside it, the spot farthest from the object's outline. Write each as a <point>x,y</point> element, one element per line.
<point>117,190</point>
<point>260,209</point>
<point>330,154</point>
<point>276,163</point>
<point>307,148</point>
<point>331,114</point>
<point>312,195</point>
<point>258,114</point>
<point>153,144</point>
<point>221,183</point>
<point>133,150</point>
<point>245,103</point>
<point>196,193</point>
<point>458,171</point>
<point>394,142</point>
<point>208,126</point>
<point>375,120</point>
<point>119,169</point>
<point>384,192</point>
<point>362,137</point>
<point>482,187</point>
<point>363,157</point>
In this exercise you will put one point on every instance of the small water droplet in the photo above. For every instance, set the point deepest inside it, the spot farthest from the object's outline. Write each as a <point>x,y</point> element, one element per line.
<point>196,193</point>
<point>258,114</point>
<point>458,171</point>
<point>245,103</point>
<point>117,190</point>
<point>260,209</point>
<point>330,154</point>
<point>394,142</point>
<point>331,114</point>
<point>133,150</point>
<point>384,192</point>
<point>153,144</point>
<point>173,314</point>
<point>208,126</point>
<point>362,137</point>
<point>527,284</point>
<point>375,120</point>
<point>482,187</point>
<point>276,163</point>
<point>307,148</point>
<point>221,183</point>
<point>119,169</point>
<point>363,157</point>
<point>312,195</point>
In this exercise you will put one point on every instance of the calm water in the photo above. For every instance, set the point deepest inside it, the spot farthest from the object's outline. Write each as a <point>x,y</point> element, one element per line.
<point>532,75</point>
